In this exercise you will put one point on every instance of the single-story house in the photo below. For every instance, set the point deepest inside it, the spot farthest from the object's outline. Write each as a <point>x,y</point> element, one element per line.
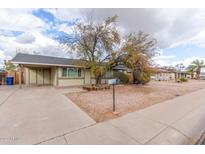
<point>181,74</point>
<point>55,71</point>
<point>161,74</point>
<point>202,75</point>
<point>166,74</point>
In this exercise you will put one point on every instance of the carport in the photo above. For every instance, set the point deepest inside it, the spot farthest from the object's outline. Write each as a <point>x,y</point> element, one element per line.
<point>36,70</point>
<point>38,75</point>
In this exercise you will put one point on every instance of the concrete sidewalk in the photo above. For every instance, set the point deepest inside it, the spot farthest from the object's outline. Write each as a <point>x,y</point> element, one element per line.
<point>177,121</point>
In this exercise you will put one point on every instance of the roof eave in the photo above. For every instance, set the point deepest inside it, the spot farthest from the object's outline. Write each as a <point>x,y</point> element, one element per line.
<point>44,64</point>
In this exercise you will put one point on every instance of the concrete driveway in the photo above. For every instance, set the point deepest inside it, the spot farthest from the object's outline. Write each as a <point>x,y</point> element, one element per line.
<point>33,115</point>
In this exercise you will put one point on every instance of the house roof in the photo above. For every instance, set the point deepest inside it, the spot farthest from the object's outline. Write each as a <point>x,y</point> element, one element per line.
<point>160,70</point>
<point>167,70</point>
<point>22,58</point>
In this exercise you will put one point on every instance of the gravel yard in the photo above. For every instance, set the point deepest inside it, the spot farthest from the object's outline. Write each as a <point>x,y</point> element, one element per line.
<point>129,98</point>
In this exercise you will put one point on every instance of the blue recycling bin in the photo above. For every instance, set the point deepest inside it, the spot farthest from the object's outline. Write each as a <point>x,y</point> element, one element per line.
<point>10,80</point>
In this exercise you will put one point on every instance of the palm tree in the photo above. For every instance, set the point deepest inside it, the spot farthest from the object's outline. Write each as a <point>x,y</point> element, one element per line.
<point>190,71</point>
<point>196,66</point>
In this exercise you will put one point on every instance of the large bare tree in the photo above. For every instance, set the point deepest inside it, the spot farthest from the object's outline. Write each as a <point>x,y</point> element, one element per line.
<point>95,42</point>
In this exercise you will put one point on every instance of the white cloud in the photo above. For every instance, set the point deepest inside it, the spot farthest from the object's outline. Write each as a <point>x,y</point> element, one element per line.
<point>31,40</point>
<point>42,45</point>
<point>163,60</point>
<point>171,27</point>
<point>65,28</point>
<point>187,61</point>
<point>20,20</point>
<point>25,38</point>
<point>169,60</point>
<point>67,14</point>
<point>3,57</point>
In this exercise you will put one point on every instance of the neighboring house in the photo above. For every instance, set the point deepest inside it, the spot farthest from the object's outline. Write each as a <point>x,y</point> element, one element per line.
<point>46,70</point>
<point>181,74</point>
<point>165,74</point>
<point>202,75</point>
<point>160,74</point>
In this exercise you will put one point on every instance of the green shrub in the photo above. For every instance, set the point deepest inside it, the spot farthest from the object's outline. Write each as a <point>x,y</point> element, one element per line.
<point>124,78</point>
<point>141,77</point>
<point>183,79</point>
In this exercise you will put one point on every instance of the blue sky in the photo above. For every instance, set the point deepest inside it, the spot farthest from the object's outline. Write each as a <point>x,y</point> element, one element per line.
<point>182,52</point>
<point>180,34</point>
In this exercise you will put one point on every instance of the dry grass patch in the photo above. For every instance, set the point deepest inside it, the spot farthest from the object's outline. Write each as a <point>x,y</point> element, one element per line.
<point>129,98</point>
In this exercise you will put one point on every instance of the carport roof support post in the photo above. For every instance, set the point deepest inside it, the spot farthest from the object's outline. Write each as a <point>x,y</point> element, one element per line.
<point>20,75</point>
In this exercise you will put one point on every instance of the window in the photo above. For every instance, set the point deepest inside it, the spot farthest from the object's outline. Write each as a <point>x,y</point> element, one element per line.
<point>64,73</point>
<point>71,72</point>
<point>79,72</point>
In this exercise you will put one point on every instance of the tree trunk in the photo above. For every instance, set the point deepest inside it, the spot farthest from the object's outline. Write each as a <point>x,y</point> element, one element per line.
<point>133,78</point>
<point>198,74</point>
<point>98,80</point>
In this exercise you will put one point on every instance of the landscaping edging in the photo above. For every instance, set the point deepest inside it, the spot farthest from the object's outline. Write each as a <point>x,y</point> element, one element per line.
<point>96,87</point>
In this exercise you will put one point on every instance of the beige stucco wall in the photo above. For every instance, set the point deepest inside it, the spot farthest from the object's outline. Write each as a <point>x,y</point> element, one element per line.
<point>54,76</point>
<point>163,76</point>
<point>39,76</point>
<point>47,77</point>
<point>32,76</point>
<point>87,76</point>
<point>70,82</point>
<point>26,75</point>
<point>172,75</point>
